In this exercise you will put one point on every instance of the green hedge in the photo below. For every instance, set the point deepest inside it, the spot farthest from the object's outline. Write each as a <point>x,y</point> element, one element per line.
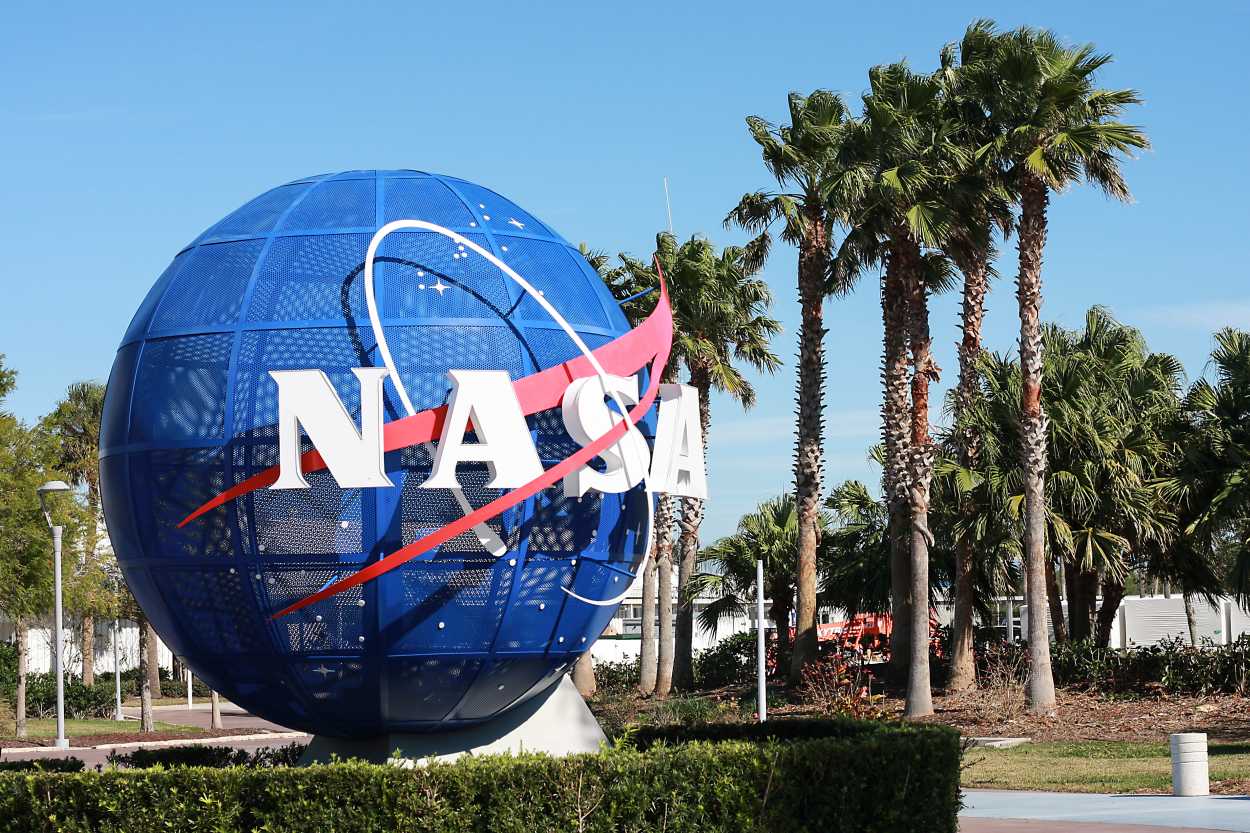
<point>891,779</point>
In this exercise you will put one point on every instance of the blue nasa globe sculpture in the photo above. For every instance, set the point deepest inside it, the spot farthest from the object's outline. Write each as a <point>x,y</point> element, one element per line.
<point>191,411</point>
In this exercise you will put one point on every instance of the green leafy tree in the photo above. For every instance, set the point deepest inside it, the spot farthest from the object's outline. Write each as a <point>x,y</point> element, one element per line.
<point>807,158</point>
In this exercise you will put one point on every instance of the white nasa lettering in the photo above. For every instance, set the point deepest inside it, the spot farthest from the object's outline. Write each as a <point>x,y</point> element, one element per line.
<point>586,417</point>
<point>486,400</point>
<point>486,397</point>
<point>355,458</point>
<point>677,465</point>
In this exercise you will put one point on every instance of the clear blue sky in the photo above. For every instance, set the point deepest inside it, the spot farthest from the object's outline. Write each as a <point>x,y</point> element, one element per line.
<point>126,130</point>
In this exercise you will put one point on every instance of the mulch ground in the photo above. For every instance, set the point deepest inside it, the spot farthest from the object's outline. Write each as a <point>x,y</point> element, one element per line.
<point>1085,716</point>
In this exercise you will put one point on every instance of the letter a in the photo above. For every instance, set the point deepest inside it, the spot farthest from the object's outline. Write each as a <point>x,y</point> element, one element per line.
<point>486,397</point>
<point>355,458</point>
<point>677,461</point>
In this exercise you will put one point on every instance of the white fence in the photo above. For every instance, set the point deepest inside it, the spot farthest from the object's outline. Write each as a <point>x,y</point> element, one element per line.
<point>1144,620</point>
<point>40,641</point>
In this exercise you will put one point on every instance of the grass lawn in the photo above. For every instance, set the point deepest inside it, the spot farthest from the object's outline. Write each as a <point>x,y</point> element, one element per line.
<point>79,728</point>
<point>1092,766</point>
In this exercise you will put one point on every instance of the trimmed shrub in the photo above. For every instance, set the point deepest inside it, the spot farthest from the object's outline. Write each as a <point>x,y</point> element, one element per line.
<point>830,784</point>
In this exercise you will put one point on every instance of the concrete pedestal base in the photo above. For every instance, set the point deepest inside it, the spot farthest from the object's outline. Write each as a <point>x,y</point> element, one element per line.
<point>556,722</point>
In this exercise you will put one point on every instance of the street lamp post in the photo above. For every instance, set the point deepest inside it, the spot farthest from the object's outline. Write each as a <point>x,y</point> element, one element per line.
<point>45,491</point>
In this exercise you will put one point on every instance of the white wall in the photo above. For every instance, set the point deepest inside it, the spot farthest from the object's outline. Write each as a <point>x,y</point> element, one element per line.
<point>39,659</point>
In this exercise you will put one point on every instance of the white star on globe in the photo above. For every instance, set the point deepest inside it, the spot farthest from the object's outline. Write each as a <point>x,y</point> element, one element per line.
<point>515,222</point>
<point>440,287</point>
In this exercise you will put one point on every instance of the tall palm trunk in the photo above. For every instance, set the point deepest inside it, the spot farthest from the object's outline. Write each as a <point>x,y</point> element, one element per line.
<point>153,654</point>
<point>1112,595</point>
<point>664,574</point>
<point>691,519</point>
<point>1033,200</point>
<point>808,457</point>
<point>214,701</point>
<point>584,675</point>
<point>976,284</point>
<point>896,439</point>
<point>1191,619</point>
<point>88,650</point>
<point>23,652</point>
<point>1055,602</point>
<point>147,637</point>
<point>924,370</point>
<point>648,658</point>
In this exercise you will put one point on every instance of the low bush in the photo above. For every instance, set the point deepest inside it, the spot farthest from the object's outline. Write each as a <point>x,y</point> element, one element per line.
<point>1172,666</point>
<point>839,683</point>
<point>621,675</point>
<point>207,756</point>
<point>831,784</point>
<point>43,765</point>
<point>81,702</point>
<point>729,662</point>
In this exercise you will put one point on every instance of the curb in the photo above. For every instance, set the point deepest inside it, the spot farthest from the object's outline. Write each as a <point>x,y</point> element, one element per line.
<point>17,750</point>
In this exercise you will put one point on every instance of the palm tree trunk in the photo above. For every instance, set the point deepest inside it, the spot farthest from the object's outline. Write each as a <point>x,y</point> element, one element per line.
<point>1055,602</point>
<point>808,457</point>
<point>147,637</point>
<point>648,659</point>
<point>963,662</point>
<point>1033,425</point>
<point>691,519</point>
<point>214,700</point>
<point>1191,618</point>
<point>88,650</point>
<point>896,439</point>
<point>584,675</point>
<point>664,572</point>
<point>924,370</point>
<point>23,653</point>
<point>1112,595</point>
<point>153,654</point>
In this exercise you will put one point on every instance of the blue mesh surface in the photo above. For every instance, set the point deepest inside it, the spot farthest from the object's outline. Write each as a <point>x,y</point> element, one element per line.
<point>191,410</point>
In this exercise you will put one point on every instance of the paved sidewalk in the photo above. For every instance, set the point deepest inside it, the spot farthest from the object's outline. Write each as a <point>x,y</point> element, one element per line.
<point>1025,812</point>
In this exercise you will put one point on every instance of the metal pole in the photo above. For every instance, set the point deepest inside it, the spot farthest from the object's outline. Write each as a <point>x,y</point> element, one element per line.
<point>190,702</point>
<point>761,674</point>
<point>58,642</point>
<point>117,673</point>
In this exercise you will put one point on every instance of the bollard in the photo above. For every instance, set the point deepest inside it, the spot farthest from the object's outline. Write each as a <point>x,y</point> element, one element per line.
<point>1189,764</point>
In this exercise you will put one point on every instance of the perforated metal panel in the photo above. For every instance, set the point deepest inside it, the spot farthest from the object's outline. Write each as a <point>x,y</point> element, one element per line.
<point>451,638</point>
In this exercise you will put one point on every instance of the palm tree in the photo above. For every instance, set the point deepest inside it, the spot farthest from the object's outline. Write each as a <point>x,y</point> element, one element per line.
<point>807,157</point>
<point>75,423</point>
<point>1052,127</point>
<point>915,153</point>
<point>1211,482</point>
<point>719,317</point>
<point>771,534</point>
<point>631,283</point>
<point>979,202</point>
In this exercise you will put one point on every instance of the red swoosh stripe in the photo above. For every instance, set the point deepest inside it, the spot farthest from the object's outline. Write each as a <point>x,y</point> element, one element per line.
<point>623,356</point>
<point>662,331</point>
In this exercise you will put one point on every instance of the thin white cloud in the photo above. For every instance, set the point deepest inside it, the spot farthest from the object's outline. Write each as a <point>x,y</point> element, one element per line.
<point>1203,315</point>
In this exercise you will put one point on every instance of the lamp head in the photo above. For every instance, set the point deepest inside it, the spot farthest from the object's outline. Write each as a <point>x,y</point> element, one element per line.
<point>52,487</point>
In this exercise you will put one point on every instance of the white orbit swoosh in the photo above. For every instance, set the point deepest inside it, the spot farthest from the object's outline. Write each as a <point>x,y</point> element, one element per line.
<point>484,533</point>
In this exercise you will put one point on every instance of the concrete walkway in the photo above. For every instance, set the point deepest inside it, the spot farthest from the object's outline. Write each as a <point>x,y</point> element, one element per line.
<point>1013,811</point>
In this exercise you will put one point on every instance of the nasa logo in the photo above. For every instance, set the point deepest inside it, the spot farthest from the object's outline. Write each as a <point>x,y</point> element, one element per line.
<point>493,407</point>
